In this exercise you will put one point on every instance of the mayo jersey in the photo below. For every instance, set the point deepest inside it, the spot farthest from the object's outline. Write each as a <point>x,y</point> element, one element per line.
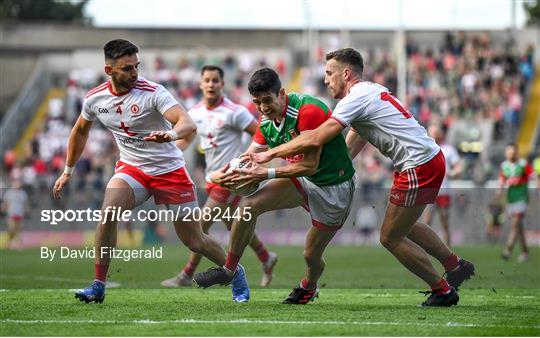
<point>515,175</point>
<point>303,113</point>
<point>133,116</point>
<point>452,157</point>
<point>381,119</point>
<point>221,129</point>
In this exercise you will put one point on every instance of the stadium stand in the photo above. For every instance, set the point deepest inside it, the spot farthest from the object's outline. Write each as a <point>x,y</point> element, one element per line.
<point>479,90</point>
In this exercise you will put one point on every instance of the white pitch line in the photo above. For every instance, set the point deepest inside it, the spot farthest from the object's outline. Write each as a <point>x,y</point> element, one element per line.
<point>267,322</point>
<point>56,279</point>
<point>49,278</point>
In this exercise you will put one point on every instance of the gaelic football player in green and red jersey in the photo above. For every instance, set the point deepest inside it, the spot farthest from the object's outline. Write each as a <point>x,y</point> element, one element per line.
<point>514,174</point>
<point>321,180</point>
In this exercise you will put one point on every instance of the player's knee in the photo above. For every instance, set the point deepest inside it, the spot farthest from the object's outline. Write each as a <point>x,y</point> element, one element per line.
<point>194,244</point>
<point>206,226</point>
<point>250,205</point>
<point>388,242</point>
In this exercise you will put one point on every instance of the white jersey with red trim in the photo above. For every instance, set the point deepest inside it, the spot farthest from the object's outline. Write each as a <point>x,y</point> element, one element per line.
<point>220,130</point>
<point>133,116</point>
<point>381,119</point>
<point>452,157</point>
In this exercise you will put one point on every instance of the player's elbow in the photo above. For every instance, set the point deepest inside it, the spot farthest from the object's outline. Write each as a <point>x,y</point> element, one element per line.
<point>192,128</point>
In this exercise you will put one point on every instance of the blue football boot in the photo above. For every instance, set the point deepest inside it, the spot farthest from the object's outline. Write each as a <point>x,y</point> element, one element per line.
<point>94,293</point>
<point>240,287</point>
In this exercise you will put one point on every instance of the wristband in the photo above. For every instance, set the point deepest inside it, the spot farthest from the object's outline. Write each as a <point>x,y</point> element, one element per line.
<point>271,173</point>
<point>172,134</point>
<point>68,170</point>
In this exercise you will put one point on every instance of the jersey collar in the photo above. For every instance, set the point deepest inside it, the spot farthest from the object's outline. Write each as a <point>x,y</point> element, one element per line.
<point>354,84</point>
<point>217,105</point>
<point>286,107</point>
<point>109,85</point>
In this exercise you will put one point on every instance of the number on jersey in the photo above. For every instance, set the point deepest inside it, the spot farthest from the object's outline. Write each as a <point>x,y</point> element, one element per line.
<point>386,96</point>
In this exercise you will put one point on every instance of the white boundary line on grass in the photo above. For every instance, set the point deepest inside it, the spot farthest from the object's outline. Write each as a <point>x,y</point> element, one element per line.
<point>56,279</point>
<point>49,278</point>
<point>249,321</point>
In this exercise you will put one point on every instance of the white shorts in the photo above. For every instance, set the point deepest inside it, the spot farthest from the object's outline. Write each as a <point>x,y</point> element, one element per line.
<point>329,206</point>
<point>516,208</point>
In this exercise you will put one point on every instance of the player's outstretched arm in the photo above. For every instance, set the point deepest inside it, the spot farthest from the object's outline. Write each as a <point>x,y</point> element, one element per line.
<point>303,143</point>
<point>184,126</point>
<point>76,143</point>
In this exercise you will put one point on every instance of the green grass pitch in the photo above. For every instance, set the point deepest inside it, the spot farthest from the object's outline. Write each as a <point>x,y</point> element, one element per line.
<point>364,291</point>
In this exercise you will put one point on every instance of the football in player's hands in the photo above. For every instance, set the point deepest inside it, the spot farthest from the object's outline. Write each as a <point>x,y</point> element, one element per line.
<point>241,188</point>
<point>237,163</point>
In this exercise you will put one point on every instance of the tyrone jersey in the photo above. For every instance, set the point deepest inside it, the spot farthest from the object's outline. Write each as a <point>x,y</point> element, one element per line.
<point>133,116</point>
<point>303,113</point>
<point>381,119</point>
<point>221,129</point>
<point>452,157</point>
<point>516,175</point>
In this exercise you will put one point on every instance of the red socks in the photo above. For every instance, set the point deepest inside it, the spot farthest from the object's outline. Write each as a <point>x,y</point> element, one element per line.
<point>441,287</point>
<point>451,262</point>
<point>101,272</point>
<point>261,252</point>
<point>307,284</point>
<point>232,261</point>
<point>190,268</point>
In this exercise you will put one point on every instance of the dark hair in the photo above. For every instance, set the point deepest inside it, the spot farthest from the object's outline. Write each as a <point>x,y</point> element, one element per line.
<point>213,68</point>
<point>117,48</point>
<point>264,80</point>
<point>350,57</point>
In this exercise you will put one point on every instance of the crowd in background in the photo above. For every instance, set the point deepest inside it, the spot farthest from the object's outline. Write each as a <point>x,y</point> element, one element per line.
<point>465,78</point>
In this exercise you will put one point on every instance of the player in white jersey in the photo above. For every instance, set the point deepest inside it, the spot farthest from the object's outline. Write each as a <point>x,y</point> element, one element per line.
<point>15,203</point>
<point>220,126</point>
<point>145,120</point>
<point>454,168</point>
<point>378,117</point>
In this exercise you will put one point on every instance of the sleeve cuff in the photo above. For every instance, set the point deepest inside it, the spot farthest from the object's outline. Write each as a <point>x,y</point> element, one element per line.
<point>87,117</point>
<point>258,145</point>
<point>172,104</point>
<point>340,121</point>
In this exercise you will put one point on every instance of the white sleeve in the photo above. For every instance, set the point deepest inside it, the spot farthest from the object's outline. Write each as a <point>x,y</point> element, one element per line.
<point>163,100</point>
<point>242,119</point>
<point>87,112</point>
<point>350,108</point>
